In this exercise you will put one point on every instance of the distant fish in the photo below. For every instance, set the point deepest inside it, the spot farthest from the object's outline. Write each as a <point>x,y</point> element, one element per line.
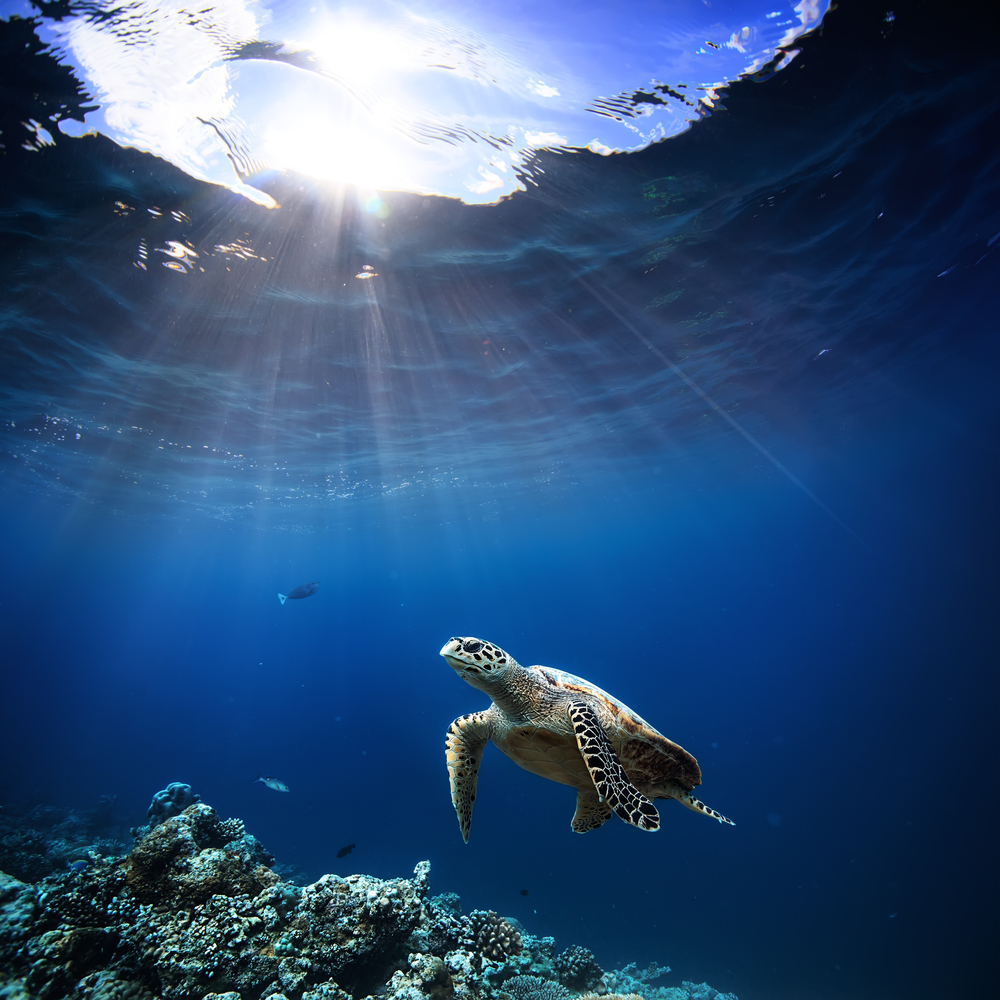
<point>524,892</point>
<point>78,866</point>
<point>276,783</point>
<point>306,590</point>
<point>344,851</point>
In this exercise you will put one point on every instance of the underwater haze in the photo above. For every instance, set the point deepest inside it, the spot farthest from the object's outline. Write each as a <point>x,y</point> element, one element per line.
<point>655,344</point>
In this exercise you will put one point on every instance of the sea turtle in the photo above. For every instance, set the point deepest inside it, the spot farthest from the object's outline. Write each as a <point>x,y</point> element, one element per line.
<point>568,730</point>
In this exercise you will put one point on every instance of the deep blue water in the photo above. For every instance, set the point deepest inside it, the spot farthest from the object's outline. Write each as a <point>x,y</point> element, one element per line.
<point>790,570</point>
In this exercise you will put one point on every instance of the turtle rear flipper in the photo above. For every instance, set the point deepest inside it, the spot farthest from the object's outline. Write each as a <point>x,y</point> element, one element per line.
<point>685,798</point>
<point>606,771</point>
<point>467,736</point>
<point>590,813</point>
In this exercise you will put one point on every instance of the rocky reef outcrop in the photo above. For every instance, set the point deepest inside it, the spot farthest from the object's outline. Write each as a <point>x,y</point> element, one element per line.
<point>195,912</point>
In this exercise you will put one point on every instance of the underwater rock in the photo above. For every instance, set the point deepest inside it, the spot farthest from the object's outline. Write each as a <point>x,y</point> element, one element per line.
<point>195,912</point>
<point>25,855</point>
<point>17,915</point>
<point>107,985</point>
<point>192,857</point>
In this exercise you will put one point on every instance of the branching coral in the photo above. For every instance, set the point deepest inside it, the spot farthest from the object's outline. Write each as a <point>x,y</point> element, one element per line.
<point>534,988</point>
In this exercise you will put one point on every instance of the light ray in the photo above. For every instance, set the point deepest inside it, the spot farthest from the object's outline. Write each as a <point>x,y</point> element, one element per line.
<point>728,418</point>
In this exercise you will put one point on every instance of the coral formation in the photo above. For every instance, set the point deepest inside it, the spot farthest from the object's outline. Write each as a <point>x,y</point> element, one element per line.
<point>172,801</point>
<point>577,969</point>
<point>533,988</point>
<point>631,980</point>
<point>195,912</point>
<point>482,932</point>
<point>493,937</point>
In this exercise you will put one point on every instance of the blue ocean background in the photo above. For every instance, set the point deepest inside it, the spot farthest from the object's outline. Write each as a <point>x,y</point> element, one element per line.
<point>712,425</point>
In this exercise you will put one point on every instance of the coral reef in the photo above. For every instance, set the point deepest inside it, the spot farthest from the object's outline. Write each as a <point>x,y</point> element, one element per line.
<point>40,841</point>
<point>196,912</point>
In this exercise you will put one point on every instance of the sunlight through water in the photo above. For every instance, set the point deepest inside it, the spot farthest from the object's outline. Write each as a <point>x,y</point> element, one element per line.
<point>424,97</point>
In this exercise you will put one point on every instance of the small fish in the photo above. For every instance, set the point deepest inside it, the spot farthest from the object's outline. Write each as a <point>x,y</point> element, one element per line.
<point>77,866</point>
<point>306,590</point>
<point>344,851</point>
<point>524,892</point>
<point>276,783</point>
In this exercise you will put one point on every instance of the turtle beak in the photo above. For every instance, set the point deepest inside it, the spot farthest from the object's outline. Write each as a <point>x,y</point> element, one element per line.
<point>448,651</point>
<point>453,645</point>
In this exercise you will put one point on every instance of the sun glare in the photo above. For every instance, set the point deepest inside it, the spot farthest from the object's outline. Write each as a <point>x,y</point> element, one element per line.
<point>390,96</point>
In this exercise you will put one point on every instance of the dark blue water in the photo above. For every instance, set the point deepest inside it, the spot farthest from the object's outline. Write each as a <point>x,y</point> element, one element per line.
<point>712,425</point>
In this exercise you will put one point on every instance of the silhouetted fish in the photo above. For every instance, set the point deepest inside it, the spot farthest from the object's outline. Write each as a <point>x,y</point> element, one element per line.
<point>344,851</point>
<point>306,590</point>
<point>524,892</point>
<point>276,783</point>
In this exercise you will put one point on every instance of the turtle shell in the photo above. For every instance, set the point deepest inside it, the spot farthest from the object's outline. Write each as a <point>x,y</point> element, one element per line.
<point>550,749</point>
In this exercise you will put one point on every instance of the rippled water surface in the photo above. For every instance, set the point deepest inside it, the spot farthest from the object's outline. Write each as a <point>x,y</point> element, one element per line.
<point>176,343</point>
<point>656,344</point>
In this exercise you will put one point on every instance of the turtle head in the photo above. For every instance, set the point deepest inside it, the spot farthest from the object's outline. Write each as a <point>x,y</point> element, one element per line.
<point>475,660</point>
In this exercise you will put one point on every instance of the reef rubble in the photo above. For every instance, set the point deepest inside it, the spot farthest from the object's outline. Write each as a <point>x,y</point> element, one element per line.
<point>196,912</point>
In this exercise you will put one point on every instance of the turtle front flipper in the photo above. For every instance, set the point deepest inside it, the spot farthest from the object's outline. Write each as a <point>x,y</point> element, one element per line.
<point>606,771</point>
<point>590,813</point>
<point>467,736</point>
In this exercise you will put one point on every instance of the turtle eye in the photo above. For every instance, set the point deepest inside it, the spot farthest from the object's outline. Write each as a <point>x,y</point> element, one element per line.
<point>472,645</point>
